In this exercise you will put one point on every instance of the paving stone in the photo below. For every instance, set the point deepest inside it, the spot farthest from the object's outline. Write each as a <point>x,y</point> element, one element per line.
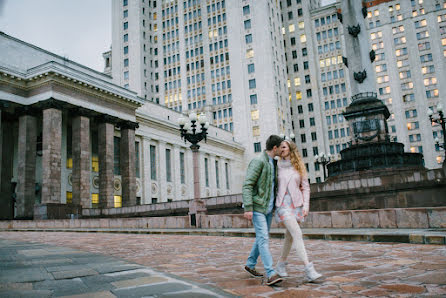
<point>73,273</point>
<point>26,294</point>
<point>403,288</point>
<point>438,277</point>
<point>190,294</point>
<point>63,287</point>
<point>151,290</point>
<point>24,275</point>
<point>102,294</point>
<point>139,281</point>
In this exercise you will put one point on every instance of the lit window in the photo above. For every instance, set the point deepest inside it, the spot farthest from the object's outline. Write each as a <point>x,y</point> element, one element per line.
<point>250,53</point>
<point>303,38</point>
<point>256,131</point>
<point>397,7</point>
<point>69,197</point>
<point>298,95</point>
<point>296,81</point>
<point>301,25</point>
<point>376,13</point>
<point>94,200</point>
<point>117,201</point>
<point>291,28</point>
<point>255,115</point>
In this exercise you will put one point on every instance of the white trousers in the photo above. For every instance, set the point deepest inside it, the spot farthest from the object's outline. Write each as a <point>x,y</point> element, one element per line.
<point>293,237</point>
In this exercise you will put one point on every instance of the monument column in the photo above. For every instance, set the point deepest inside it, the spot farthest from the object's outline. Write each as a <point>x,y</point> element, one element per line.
<point>106,130</point>
<point>162,171</point>
<point>81,161</point>
<point>128,175</point>
<point>26,171</point>
<point>51,155</point>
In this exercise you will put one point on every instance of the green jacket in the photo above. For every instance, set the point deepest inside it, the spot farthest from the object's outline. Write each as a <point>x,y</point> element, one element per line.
<point>257,186</point>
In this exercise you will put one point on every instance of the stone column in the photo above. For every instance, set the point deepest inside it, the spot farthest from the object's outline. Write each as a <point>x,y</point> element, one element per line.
<point>128,175</point>
<point>146,175</point>
<point>162,179</point>
<point>176,175</point>
<point>26,170</point>
<point>7,152</point>
<point>51,155</point>
<point>81,161</point>
<point>106,132</point>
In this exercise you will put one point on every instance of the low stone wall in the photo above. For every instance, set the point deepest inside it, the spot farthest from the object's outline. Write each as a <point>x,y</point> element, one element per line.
<point>405,218</point>
<point>388,188</point>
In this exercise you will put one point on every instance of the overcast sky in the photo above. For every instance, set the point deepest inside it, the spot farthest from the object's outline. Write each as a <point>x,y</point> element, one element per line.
<point>77,29</point>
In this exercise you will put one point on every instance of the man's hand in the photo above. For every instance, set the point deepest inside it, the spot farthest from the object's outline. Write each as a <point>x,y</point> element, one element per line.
<point>248,215</point>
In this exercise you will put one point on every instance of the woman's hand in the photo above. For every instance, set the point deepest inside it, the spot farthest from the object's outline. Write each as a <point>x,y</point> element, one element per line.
<point>305,212</point>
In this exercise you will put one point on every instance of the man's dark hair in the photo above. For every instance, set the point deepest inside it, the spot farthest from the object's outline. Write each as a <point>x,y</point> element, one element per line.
<point>273,140</point>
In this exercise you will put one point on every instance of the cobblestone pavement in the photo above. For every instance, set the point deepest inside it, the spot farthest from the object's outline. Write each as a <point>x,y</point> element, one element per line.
<point>351,269</point>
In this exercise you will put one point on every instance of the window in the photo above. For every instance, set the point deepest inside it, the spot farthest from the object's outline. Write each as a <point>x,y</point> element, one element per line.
<point>126,37</point>
<point>253,99</point>
<point>313,136</point>
<point>248,38</point>
<point>126,50</point>
<point>303,138</point>
<point>249,53</point>
<point>152,162</point>
<point>252,83</point>
<point>246,10</point>
<point>301,123</point>
<point>257,147</point>
<point>182,169</point>
<point>304,152</point>
<point>255,115</point>
<point>206,171</point>
<point>247,24</point>
<point>312,122</point>
<point>300,109</point>
<point>126,25</point>
<point>412,125</point>
<point>125,2</point>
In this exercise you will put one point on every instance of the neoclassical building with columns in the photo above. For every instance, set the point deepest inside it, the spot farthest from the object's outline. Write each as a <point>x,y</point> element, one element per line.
<point>71,139</point>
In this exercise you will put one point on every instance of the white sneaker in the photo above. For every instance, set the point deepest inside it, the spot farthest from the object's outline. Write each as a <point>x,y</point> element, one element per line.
<point>281,269</point>
<point>311,273</point>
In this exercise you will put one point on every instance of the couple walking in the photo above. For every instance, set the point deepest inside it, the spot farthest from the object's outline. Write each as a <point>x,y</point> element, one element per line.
<point>281,186</point>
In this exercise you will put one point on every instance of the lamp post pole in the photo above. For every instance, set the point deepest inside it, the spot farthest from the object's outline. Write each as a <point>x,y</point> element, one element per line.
<point>324,160</point>
<point>189,132</point>
<point>440,119</point>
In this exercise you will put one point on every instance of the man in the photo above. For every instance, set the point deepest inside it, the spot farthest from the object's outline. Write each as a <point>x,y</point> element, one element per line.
<point>259,192</point>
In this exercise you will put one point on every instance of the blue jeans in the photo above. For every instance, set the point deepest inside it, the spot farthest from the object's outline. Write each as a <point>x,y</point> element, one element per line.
<point>262,224</point>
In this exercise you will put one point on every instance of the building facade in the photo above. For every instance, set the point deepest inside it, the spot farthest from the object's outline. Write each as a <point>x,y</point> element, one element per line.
<point>284,65</point>
<point>70,137</point>
<point>224,59</point>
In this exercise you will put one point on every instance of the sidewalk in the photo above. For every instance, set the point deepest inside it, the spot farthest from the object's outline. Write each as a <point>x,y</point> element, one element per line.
<point>415,236</point>
<point>41,270</point>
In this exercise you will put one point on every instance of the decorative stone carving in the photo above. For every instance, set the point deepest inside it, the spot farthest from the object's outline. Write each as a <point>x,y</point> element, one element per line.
<point>138,185</point>
<point>96,181</point>
<point>354,30</point>
<point>154,188</point>
<point>169,189</point>
<point>360,76</point>
<point>364,11</point>
<point>70,179</point>
<point>339,14</point>
<point>183,190</point>
<point>117,184</point>
<point>208,192</point>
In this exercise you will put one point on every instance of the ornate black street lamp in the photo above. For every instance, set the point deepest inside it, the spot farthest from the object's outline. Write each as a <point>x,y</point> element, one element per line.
<point>189,132</point>
<point>439,119</point>
<point>324,160</point>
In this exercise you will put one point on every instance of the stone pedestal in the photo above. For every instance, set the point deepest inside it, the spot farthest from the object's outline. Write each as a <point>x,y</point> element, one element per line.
<point>81,161</point>
<point>128,177</point>
<point>51,155</point>
<point>106,158</point>
<point>26,171</point>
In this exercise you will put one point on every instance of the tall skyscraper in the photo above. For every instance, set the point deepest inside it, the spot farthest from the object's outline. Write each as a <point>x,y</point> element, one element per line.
<point>224,60</point>
<point>262,67</point>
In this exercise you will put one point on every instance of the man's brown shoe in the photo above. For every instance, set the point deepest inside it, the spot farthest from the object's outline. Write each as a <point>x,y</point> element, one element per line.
<point>253,272</point>
<point>273,280</point>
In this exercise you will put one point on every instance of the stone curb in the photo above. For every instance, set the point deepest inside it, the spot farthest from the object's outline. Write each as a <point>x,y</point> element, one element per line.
<point>437,237</point>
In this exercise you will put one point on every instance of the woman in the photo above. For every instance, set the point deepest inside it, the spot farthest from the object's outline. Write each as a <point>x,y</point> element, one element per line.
<point>293,203</point>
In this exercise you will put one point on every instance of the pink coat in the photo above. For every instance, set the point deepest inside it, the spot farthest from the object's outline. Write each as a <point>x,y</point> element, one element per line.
<point>299,189</point>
